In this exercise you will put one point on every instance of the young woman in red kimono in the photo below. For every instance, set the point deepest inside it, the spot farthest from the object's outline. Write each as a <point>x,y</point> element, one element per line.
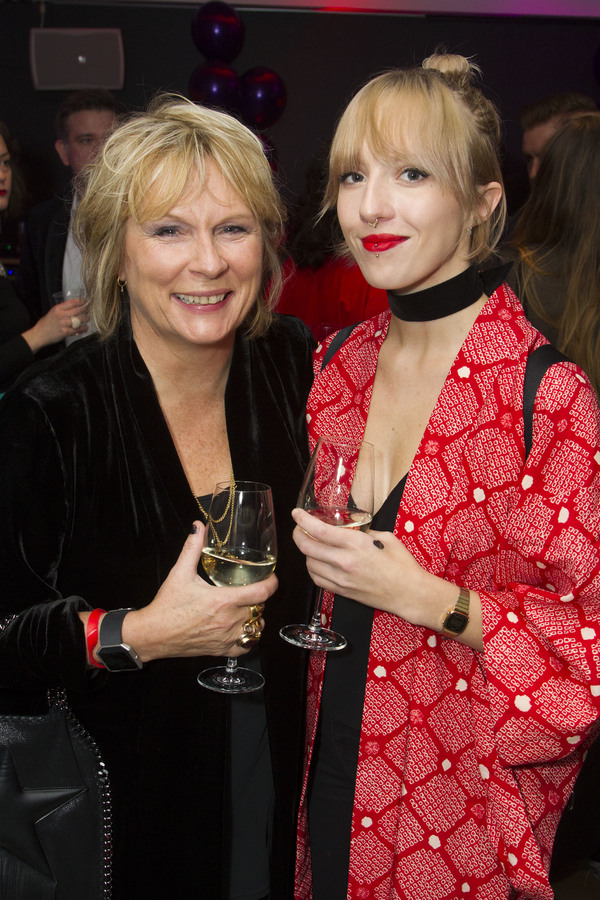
<point>443,745</point>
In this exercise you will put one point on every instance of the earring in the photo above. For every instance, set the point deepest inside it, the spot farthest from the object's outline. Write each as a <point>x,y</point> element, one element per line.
<point>122,284</point>
<point>470,228</point>
<point>373,224</point>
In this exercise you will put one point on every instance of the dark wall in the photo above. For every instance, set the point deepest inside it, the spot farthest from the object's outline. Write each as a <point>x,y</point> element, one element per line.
<point>321,57</point>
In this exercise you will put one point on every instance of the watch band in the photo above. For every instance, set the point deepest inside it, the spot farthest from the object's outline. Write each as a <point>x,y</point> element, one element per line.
<point>457,618</point>
<point>114,654</point>
<point>110,627</point>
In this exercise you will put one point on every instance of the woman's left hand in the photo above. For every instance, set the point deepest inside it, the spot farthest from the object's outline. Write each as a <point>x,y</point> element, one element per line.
<point>347,562</point>
<point>386,577</point>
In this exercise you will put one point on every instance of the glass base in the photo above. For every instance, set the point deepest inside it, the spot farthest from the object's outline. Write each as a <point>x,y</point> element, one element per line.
<point>231,681</point>
<point>313,638</point>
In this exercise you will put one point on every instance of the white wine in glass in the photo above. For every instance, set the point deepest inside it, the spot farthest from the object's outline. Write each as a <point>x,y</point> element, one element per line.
<point>240,548</point>
<point>338,490</point>
<point>228,570</point>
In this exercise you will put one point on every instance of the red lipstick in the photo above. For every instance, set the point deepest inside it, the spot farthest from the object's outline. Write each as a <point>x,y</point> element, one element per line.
<point>377,243</point>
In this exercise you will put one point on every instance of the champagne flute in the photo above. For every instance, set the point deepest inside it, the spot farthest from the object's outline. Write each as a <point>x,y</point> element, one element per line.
<point>337,489</point>
<point>240,548</point>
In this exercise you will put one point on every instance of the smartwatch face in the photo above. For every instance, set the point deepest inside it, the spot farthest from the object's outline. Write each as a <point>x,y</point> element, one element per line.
<point>117,659</point>
<point>456,622</point>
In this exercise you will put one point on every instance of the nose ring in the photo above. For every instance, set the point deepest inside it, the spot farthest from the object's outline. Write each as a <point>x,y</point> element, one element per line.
<point>373,224</point>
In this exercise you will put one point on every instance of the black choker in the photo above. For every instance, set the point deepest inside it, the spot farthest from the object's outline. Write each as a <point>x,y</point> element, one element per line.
<point>440,300</point>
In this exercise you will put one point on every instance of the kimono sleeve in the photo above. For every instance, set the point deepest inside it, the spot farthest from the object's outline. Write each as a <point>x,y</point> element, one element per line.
<point>542,627</point>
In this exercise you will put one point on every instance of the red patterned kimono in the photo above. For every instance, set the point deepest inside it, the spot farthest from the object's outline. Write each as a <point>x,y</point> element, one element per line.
<point>466,759</point>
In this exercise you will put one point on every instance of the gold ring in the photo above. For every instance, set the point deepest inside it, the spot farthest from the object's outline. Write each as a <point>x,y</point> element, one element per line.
<point>248,640</point>
<point>256,611</point>
<point>251,630</point>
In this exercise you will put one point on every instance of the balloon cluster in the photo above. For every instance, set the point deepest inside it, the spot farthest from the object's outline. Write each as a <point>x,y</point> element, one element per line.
<point>258,96</point>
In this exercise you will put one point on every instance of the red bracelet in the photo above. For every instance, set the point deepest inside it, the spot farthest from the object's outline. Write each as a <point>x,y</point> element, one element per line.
<point>91,635</point>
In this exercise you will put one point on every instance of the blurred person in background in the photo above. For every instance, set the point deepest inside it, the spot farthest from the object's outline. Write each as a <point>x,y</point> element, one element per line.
<point>322,288</point>
<point>50,259</point>
<point>556,274</point>
<point>20,341</point>
<point>542,118</point>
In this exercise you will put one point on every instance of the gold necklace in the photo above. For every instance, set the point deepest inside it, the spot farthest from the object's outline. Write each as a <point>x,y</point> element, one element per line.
<point>229,508</point>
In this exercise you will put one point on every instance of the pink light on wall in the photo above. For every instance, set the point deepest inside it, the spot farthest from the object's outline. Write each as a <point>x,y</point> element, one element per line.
<point>560,8</point>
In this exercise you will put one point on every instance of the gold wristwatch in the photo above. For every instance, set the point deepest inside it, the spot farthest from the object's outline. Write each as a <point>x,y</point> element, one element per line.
<point>457,618</point>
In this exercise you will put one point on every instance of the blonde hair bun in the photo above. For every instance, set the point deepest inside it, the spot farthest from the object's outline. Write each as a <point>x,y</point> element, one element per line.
<point>457,69</point>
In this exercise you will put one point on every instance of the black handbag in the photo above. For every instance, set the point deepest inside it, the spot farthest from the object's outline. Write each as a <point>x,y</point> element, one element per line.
<point>55,809</point>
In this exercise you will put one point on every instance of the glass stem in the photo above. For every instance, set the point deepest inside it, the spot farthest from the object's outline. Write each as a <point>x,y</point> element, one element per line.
<point>232,665</point>
<point>315,622</point>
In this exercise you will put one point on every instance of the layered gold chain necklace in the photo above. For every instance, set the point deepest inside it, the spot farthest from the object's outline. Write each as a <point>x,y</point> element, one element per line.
<point>228,509</point>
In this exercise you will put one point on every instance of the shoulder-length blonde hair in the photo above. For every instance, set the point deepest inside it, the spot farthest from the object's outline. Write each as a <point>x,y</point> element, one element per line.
<point>432,117</point>
<point>143,170</point>
<point>558,235</point>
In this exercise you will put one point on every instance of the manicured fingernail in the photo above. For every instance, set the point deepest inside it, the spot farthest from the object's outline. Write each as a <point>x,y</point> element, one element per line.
<point>378,544</point>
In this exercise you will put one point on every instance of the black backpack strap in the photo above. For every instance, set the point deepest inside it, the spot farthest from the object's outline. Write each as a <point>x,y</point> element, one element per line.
<point>338,339</point>
<point>493,278</point>
<point>538,364</point>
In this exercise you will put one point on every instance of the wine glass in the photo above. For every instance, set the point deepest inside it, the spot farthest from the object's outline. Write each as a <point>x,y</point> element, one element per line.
<point>240,547</point>
<point>337,489</point>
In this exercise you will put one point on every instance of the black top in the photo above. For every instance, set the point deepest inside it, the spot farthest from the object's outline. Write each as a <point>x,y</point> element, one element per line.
<point>96,508</point>
<point>42,254</point>
<point>336,751</point>
<point>15,352</point>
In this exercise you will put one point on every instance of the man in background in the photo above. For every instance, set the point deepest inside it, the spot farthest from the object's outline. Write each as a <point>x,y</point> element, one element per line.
<point>50,260</point>
<point>542,119</point>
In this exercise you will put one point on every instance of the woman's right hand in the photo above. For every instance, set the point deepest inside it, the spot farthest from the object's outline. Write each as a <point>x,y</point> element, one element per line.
<point>189,617</point>
<point>57,324</point>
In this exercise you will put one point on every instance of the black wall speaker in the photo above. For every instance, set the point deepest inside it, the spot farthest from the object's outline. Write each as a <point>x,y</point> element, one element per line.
<point>73,58</point>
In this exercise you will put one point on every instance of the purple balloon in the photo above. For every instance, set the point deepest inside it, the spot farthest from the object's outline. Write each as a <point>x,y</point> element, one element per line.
<point>217,86</point>
<point>217,31</point>
<point>263,97</point>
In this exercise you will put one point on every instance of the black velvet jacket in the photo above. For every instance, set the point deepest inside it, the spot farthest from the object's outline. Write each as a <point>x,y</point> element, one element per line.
<point>95,510</point>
